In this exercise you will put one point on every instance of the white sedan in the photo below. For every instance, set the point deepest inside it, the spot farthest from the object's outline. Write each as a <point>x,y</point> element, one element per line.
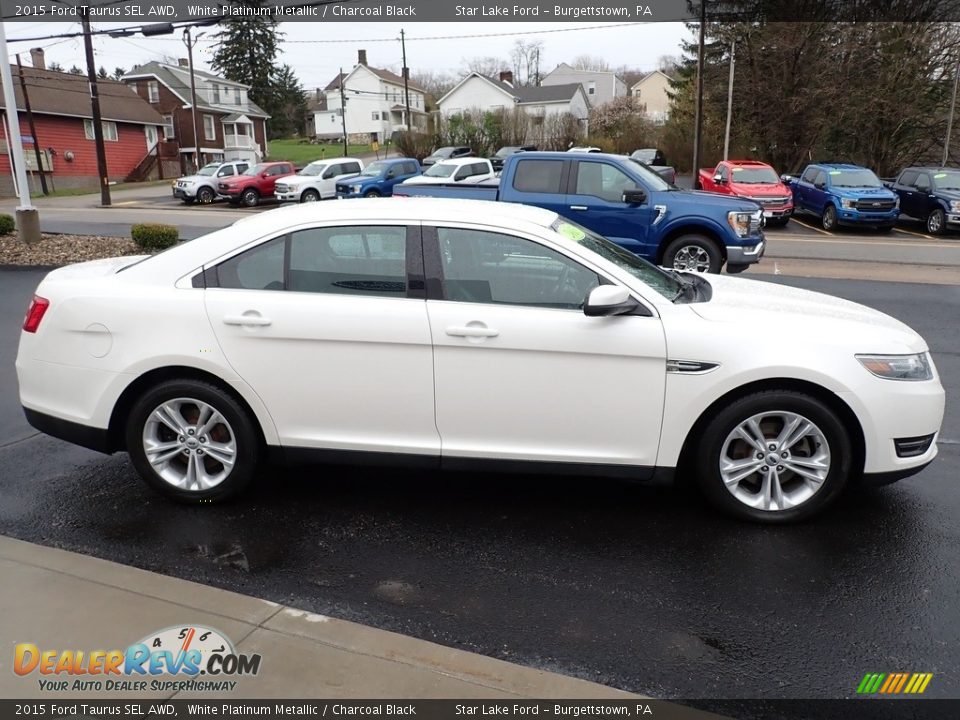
<point>455,334</point>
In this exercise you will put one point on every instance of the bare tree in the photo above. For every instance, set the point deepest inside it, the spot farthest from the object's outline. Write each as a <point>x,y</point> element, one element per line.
<point>591,62</point>
<point>526,62</point>
<point>436,84</point>
<point>487,66</point>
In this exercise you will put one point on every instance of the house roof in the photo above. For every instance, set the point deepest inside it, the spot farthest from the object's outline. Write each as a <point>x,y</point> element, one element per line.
<point>384,75</point>
<point>525,93</point>
<point>177,79</point>
<point>570,69</point>
<point>648,76</point>
<point>59,93</point>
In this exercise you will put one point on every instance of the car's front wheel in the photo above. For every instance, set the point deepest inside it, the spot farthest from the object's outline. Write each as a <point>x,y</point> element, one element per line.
<point>936,221</point>
<point>372,192</point>
<point>693,253</point>
<point>192,442</point>
<point>251,198</point>
<point>309,196</point>
<point>205,196</point>
<point>829,218</point>
<point>774,456</point>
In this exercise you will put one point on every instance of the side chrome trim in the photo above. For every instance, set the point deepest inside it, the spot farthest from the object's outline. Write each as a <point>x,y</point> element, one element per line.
<point>690,367</point>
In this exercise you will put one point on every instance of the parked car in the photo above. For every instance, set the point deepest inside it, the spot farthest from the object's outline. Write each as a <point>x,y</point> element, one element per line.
<point>255,184</point>
<point>843,194</point>
<point>507,151</point>
<point>930,194</point>
<point>752,180</point>
<point>202,187</point>
<point>446,153</point>
<point>454,171</point>
<point>655,158</point>
<point>522,342</point>
<point>378,178</point>
<point>585,149</point>
<point>317,181</point>
<point>627,202</point>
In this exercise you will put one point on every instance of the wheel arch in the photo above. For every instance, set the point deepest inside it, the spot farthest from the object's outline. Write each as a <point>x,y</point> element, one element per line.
<point>121,409</point>
<point>707,231</point>
<point>829,398</point>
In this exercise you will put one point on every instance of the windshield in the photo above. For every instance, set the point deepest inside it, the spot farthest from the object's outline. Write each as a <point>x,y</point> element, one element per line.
<point>947,180</point>
<point>649,274</point>
<point>854,179</point>
<point>650,177</point>
<point>255,170</point>
<point>758,176</point>
<point>208,169</point>
<point>441,170</point>
<point>375,169</point>
<point>313,169</point>
<point>505,151</point>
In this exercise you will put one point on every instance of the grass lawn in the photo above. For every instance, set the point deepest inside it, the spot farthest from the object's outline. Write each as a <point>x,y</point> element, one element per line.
<point>300,153</point>
<point>36,193</point>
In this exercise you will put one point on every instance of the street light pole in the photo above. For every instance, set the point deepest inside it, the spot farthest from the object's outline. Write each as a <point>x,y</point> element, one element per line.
<point>726,135</point>
<point>190,42</point>
<point>953,107</point>
<point>343,112</point>
<point>406,77</point>
<point>698,120</point>
<point>95,106</point>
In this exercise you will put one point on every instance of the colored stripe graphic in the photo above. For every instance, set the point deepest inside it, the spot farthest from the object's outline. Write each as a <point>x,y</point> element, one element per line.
<point>894,683</point>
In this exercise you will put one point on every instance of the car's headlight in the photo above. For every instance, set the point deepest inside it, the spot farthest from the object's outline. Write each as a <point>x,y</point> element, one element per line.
<point>740,222</point>
<point>896,201</point>
<point>848,204</point>
<point>955,206</point>
<point>899,367</point>
<point>356,188</point>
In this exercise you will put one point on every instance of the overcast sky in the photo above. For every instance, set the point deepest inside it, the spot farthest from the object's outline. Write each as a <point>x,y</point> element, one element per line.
<point>316,63</point>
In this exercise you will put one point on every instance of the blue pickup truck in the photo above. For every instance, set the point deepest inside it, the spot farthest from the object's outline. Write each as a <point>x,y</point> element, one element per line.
<point>930,194</point>
<point>842,194</point>
<point>627,202</point>
<point>378,178</point>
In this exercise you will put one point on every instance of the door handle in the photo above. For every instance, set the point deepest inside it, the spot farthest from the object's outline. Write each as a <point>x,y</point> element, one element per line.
<point>578,207</point>
<point>472,331</point>
<point>252,320</point>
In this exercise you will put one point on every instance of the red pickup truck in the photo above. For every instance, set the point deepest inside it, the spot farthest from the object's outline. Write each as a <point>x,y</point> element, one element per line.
<point>257,183</point>
<point>752,180</point>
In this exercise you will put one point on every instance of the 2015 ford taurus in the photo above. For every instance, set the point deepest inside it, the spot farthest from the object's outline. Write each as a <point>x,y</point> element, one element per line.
<point>456,334</point>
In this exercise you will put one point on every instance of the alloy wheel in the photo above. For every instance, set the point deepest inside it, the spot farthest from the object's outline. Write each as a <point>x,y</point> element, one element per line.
<point>691,257</point>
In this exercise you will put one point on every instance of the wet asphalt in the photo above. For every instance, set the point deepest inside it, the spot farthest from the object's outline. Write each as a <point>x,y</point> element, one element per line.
<point>642,588</point>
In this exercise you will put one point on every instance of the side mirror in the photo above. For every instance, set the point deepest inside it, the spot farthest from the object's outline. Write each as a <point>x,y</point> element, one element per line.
<point>820,185</point>
<point>265,173</point>
<point>634,197</point>
<point>608,300</point>
<point>785,179</point>
<point>718,178</point>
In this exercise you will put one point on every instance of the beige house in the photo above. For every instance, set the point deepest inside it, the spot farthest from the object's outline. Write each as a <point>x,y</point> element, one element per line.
<point>650,92</point>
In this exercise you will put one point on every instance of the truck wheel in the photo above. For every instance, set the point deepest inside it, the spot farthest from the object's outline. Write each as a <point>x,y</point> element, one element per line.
<point>936,222</point>
<point>309,196</point>
<point>205,196</point>
<point>372,192</point>
<point>251,198</point>
<point>829,218</point>
<point>693,252</point>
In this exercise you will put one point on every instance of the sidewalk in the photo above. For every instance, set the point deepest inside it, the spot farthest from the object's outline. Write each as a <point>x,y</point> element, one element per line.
<point>62,600</point>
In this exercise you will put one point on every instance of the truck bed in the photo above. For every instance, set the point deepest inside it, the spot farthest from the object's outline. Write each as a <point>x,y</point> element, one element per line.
<point>486,190</point>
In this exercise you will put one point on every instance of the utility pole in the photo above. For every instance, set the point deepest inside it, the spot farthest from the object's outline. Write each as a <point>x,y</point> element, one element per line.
<point>28,220</point>
<point>406,76</point>
<point>953,107</point>
<point>726,135</point>
<point>343,113</point>
<point>33,127</point>
<point>698,120</point>
<point>95,104</point>
<point>190,42</point>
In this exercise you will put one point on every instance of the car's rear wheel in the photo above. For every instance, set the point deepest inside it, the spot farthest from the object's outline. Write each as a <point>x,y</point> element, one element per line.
<point>829,218</point>
<point>774,456</point>
<point>309,196</point>
<point>936,221</point>
<point>192,442</point>
<point>251,198</point>
<point>693,253</point>
<point>205,196</point>
<point>373,192</point>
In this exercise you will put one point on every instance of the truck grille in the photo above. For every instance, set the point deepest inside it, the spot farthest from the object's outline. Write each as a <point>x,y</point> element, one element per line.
<point>876,205</point>
<point>770,201</point>
<point>281,187</point>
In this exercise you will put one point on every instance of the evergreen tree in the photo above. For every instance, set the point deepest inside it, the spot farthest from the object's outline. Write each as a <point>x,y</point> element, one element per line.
<point>55,66</point>
<point>290,113</point>
<point>118,73</point>
<point>76,71</point>
<point>102,73</point>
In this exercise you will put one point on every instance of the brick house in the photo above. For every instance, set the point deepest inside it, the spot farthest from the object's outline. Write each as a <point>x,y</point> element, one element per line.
<point>232,126</point>
<point>62,114</point>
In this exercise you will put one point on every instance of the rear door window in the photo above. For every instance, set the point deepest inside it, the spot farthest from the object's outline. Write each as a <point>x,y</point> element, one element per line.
<point>538,176</point>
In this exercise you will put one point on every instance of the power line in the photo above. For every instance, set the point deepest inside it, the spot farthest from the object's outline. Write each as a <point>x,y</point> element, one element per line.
<point>476,35</point>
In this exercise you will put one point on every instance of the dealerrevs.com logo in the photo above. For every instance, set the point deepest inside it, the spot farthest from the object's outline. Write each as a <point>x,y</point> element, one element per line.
<point>201,658</point>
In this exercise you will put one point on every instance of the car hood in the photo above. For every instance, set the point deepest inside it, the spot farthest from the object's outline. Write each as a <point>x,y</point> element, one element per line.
<point>194,178</point>
<point>884,193</point>
<point>760,189</point>
<point>803,313</point>
<point>948,194</point>
<point>704,199</point>
<point>236,179</point>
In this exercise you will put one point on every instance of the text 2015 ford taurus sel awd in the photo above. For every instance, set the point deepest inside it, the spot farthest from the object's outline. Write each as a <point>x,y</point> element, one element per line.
<point>456,333</point>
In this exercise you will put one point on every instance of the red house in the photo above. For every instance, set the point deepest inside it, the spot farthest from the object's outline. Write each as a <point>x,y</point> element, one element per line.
<point>62,116</point>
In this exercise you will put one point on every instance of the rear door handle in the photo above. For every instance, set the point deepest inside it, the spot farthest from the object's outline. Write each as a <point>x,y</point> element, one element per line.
<point>578,207</point>
<point>251,320</point>
<point>472,331</point>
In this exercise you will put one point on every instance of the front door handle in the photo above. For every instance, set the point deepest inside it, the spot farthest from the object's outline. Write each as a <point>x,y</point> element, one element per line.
<point>253,319</point>
<point>472,331</point>
<point>578,207</point>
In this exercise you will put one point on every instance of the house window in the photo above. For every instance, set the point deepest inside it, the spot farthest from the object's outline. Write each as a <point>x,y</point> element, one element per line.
<point>209,129</point>
<point>168,133</point>
<point>591,88</point>
<point>153,91</point>
<point>216,93</point>
<point>375,116</point>
<point>109,130</point>
<point>236,96</point>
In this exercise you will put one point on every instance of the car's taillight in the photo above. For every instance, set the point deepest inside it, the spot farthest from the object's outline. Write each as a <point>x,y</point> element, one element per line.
<point>35,314</point>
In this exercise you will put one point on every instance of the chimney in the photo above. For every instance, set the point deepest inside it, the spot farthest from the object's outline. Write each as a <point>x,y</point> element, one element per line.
<point>36,58</point>
<point>183,62</point>
<point>319,93</point>
<point>362,57</point>
<point>507,77</point>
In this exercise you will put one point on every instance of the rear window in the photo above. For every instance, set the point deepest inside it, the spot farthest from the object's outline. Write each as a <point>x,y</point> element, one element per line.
<point>542,176</point>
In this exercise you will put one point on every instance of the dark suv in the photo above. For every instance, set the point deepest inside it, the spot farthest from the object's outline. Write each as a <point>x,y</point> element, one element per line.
<point>930,194</point>
<point>446,153</point>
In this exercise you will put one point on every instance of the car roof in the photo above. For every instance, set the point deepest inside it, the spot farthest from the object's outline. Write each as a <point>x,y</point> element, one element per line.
<point>461,161</point>
<point>841,166</point>
<point>746,163</point>
<point>931,168</point>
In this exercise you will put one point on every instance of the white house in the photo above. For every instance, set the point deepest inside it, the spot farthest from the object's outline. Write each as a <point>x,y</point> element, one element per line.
<point>599,86</point>
<point>650,92</point>
<point>375,105</point>
<point>479,92</point>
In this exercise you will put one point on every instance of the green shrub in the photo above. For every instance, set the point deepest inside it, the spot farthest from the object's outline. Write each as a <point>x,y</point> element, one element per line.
<point>154,236</point>
<point>7,224</point>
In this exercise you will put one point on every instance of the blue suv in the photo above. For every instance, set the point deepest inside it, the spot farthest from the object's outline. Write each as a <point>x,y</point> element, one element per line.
<point>841,194</point>
<point>378,178</point>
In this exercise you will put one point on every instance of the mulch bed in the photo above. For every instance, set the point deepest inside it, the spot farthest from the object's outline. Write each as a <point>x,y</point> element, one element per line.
<point>56,249</point>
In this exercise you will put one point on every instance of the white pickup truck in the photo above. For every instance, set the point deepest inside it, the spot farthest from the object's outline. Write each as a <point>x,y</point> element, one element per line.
<point>468,169</point>
<point>317,181</point>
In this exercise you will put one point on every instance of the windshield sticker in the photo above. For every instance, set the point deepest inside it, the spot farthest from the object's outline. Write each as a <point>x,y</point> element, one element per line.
<point>940,176</point>
<point>571,232</point>
<point>836,172</point>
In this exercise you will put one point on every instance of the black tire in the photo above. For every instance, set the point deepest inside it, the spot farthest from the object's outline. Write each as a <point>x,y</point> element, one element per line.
<point>187,200</point>
<point>713,437</point>
<point>828,221</point>
<point>372,192</point>
<point>245,436</point>
<point>936,222</point>
<point>250,197</point>
<point>684,245</point>
<point>309,196</point>
<point>205,196</point>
